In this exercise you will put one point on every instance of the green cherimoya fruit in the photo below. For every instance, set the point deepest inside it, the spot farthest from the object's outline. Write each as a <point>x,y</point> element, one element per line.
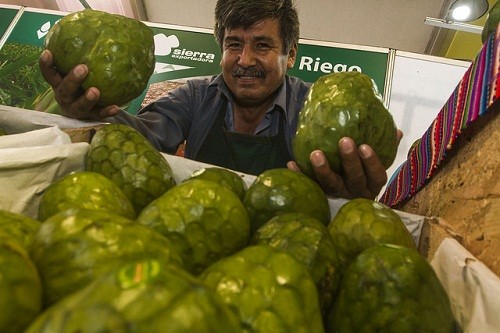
<point>20,287</point>
<point>226,177</point>
<point>122,154</point>
<point>269,289</point>
<point>280,190</point>
<point>492,20</point>
<point>74,247</point>
<point>390,288</point>
<point>84,189</point>
<point>361,223</point>
<point>118,50</point>
<point>19,227</point>
<point>344,104</point>
<point>204,220</point>
<point>309,241</point>
<point>143,296</point>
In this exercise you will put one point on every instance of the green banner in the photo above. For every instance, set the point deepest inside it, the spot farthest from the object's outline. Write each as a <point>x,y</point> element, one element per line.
<point>32,27</point>
<point>315,60</point>
<point>6,16</point>
<point>181,53</point>
<point>21,83</point>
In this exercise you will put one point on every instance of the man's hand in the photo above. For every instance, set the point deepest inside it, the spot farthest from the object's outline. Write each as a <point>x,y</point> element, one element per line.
<point>68,92</point>
<point>364,175</point>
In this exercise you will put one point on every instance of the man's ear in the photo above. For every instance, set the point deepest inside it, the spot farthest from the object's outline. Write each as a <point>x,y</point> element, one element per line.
<point>292,55</point>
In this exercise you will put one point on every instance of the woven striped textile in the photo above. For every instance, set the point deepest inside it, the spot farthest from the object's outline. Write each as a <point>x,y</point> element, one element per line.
<point>474,95</point>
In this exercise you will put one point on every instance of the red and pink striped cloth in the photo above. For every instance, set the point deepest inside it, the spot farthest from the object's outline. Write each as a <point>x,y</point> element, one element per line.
<point>474,95</point>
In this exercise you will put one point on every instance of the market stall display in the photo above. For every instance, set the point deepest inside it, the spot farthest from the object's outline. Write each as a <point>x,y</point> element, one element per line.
<point>268,289</point>
<point>183,169</point>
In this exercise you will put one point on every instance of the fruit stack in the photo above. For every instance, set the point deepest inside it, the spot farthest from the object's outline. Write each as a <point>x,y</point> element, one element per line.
<point>122,247</point>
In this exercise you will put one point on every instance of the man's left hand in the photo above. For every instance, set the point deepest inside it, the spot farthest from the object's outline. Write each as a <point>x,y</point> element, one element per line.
<point>364,174</point>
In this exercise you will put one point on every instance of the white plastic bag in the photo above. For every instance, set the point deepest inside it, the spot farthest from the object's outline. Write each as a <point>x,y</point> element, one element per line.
<point>30,162</point>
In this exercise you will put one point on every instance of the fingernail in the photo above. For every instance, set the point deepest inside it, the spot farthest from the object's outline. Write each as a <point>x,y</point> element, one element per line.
<point>347,145</point>
<point>317,159</point>
<point>114,111</point>
<point>45,56</point>
<point>79,71</point>
<point>91,95</point>
<point>365,151</point>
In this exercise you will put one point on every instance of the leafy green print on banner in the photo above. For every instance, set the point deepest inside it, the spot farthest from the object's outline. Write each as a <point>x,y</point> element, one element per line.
<point>20,79</point>
<point>46,102</point>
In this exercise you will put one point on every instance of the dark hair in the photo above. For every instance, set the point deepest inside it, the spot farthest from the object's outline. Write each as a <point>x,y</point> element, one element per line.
<point>234,14</point>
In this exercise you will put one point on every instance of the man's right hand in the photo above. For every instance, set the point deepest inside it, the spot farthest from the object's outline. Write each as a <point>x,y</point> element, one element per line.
<point>74,102</point>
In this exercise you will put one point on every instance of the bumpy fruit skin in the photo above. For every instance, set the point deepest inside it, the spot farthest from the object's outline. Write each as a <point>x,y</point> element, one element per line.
<point>269,289</point>
<point>144,296</point>
<point>20,287</point>
<point>390,288</point>
<point>308,241</point>
<point>226,177</point>
<point>492,20</point>
<point>75,247</point>
<point>338,105</point>
<point>361,223</point>
<point>122,154</point>
<point>84,189</point>
<point>118,50</point>
<point>204,220</point>
<point>19,227</point>
<point>281,190</point>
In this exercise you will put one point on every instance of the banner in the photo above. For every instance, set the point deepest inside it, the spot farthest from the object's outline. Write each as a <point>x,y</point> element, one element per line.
<point>181,53</point>
<point>21,83</point>
<point>32,26</point>
<point>7,14</point>
<point>315,59</point>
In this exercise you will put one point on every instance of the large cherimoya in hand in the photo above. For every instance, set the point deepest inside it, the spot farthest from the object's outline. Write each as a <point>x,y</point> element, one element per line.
<point>339,105</point>
<point>118,50</point>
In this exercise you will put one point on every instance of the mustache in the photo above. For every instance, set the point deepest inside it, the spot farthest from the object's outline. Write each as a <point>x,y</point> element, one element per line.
<point>250,72</point>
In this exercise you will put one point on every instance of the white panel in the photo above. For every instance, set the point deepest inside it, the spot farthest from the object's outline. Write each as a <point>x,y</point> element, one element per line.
<point>192,13</point>
<point>421,86</point>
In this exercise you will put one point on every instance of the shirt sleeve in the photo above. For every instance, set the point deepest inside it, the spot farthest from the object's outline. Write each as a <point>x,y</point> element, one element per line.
<point>166,121</point>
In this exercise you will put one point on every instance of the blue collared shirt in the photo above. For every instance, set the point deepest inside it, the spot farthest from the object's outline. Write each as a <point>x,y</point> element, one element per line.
<point>270,123</point>
<point>188,112</point>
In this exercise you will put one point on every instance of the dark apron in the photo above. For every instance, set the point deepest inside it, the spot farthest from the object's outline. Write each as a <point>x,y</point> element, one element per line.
<point>251,154</point>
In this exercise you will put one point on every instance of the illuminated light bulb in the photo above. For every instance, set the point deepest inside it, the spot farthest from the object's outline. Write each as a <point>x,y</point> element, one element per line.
<point>461,13</point>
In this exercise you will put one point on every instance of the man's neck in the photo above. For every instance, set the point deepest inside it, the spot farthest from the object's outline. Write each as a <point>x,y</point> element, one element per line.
<point>247,118</point>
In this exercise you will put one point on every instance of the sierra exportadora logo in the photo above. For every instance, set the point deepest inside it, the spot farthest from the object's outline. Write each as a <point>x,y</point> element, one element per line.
<point>43,30</point>
<point>169,45</point>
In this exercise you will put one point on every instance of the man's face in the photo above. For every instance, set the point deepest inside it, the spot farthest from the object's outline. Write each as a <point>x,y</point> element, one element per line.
<point>253,63</point>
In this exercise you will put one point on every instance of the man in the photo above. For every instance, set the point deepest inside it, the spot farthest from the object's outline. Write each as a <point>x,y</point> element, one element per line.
<point>244,118</point>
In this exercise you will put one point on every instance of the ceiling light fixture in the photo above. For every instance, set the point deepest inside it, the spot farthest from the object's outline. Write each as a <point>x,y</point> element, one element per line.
<point>459,12</point>
<point>466,10</point>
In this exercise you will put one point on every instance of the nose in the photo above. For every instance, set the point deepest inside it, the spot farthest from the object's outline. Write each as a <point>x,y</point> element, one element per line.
<point>247,57</point>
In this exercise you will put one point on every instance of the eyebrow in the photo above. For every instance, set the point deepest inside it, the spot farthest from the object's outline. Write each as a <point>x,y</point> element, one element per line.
<point>256,39</point>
